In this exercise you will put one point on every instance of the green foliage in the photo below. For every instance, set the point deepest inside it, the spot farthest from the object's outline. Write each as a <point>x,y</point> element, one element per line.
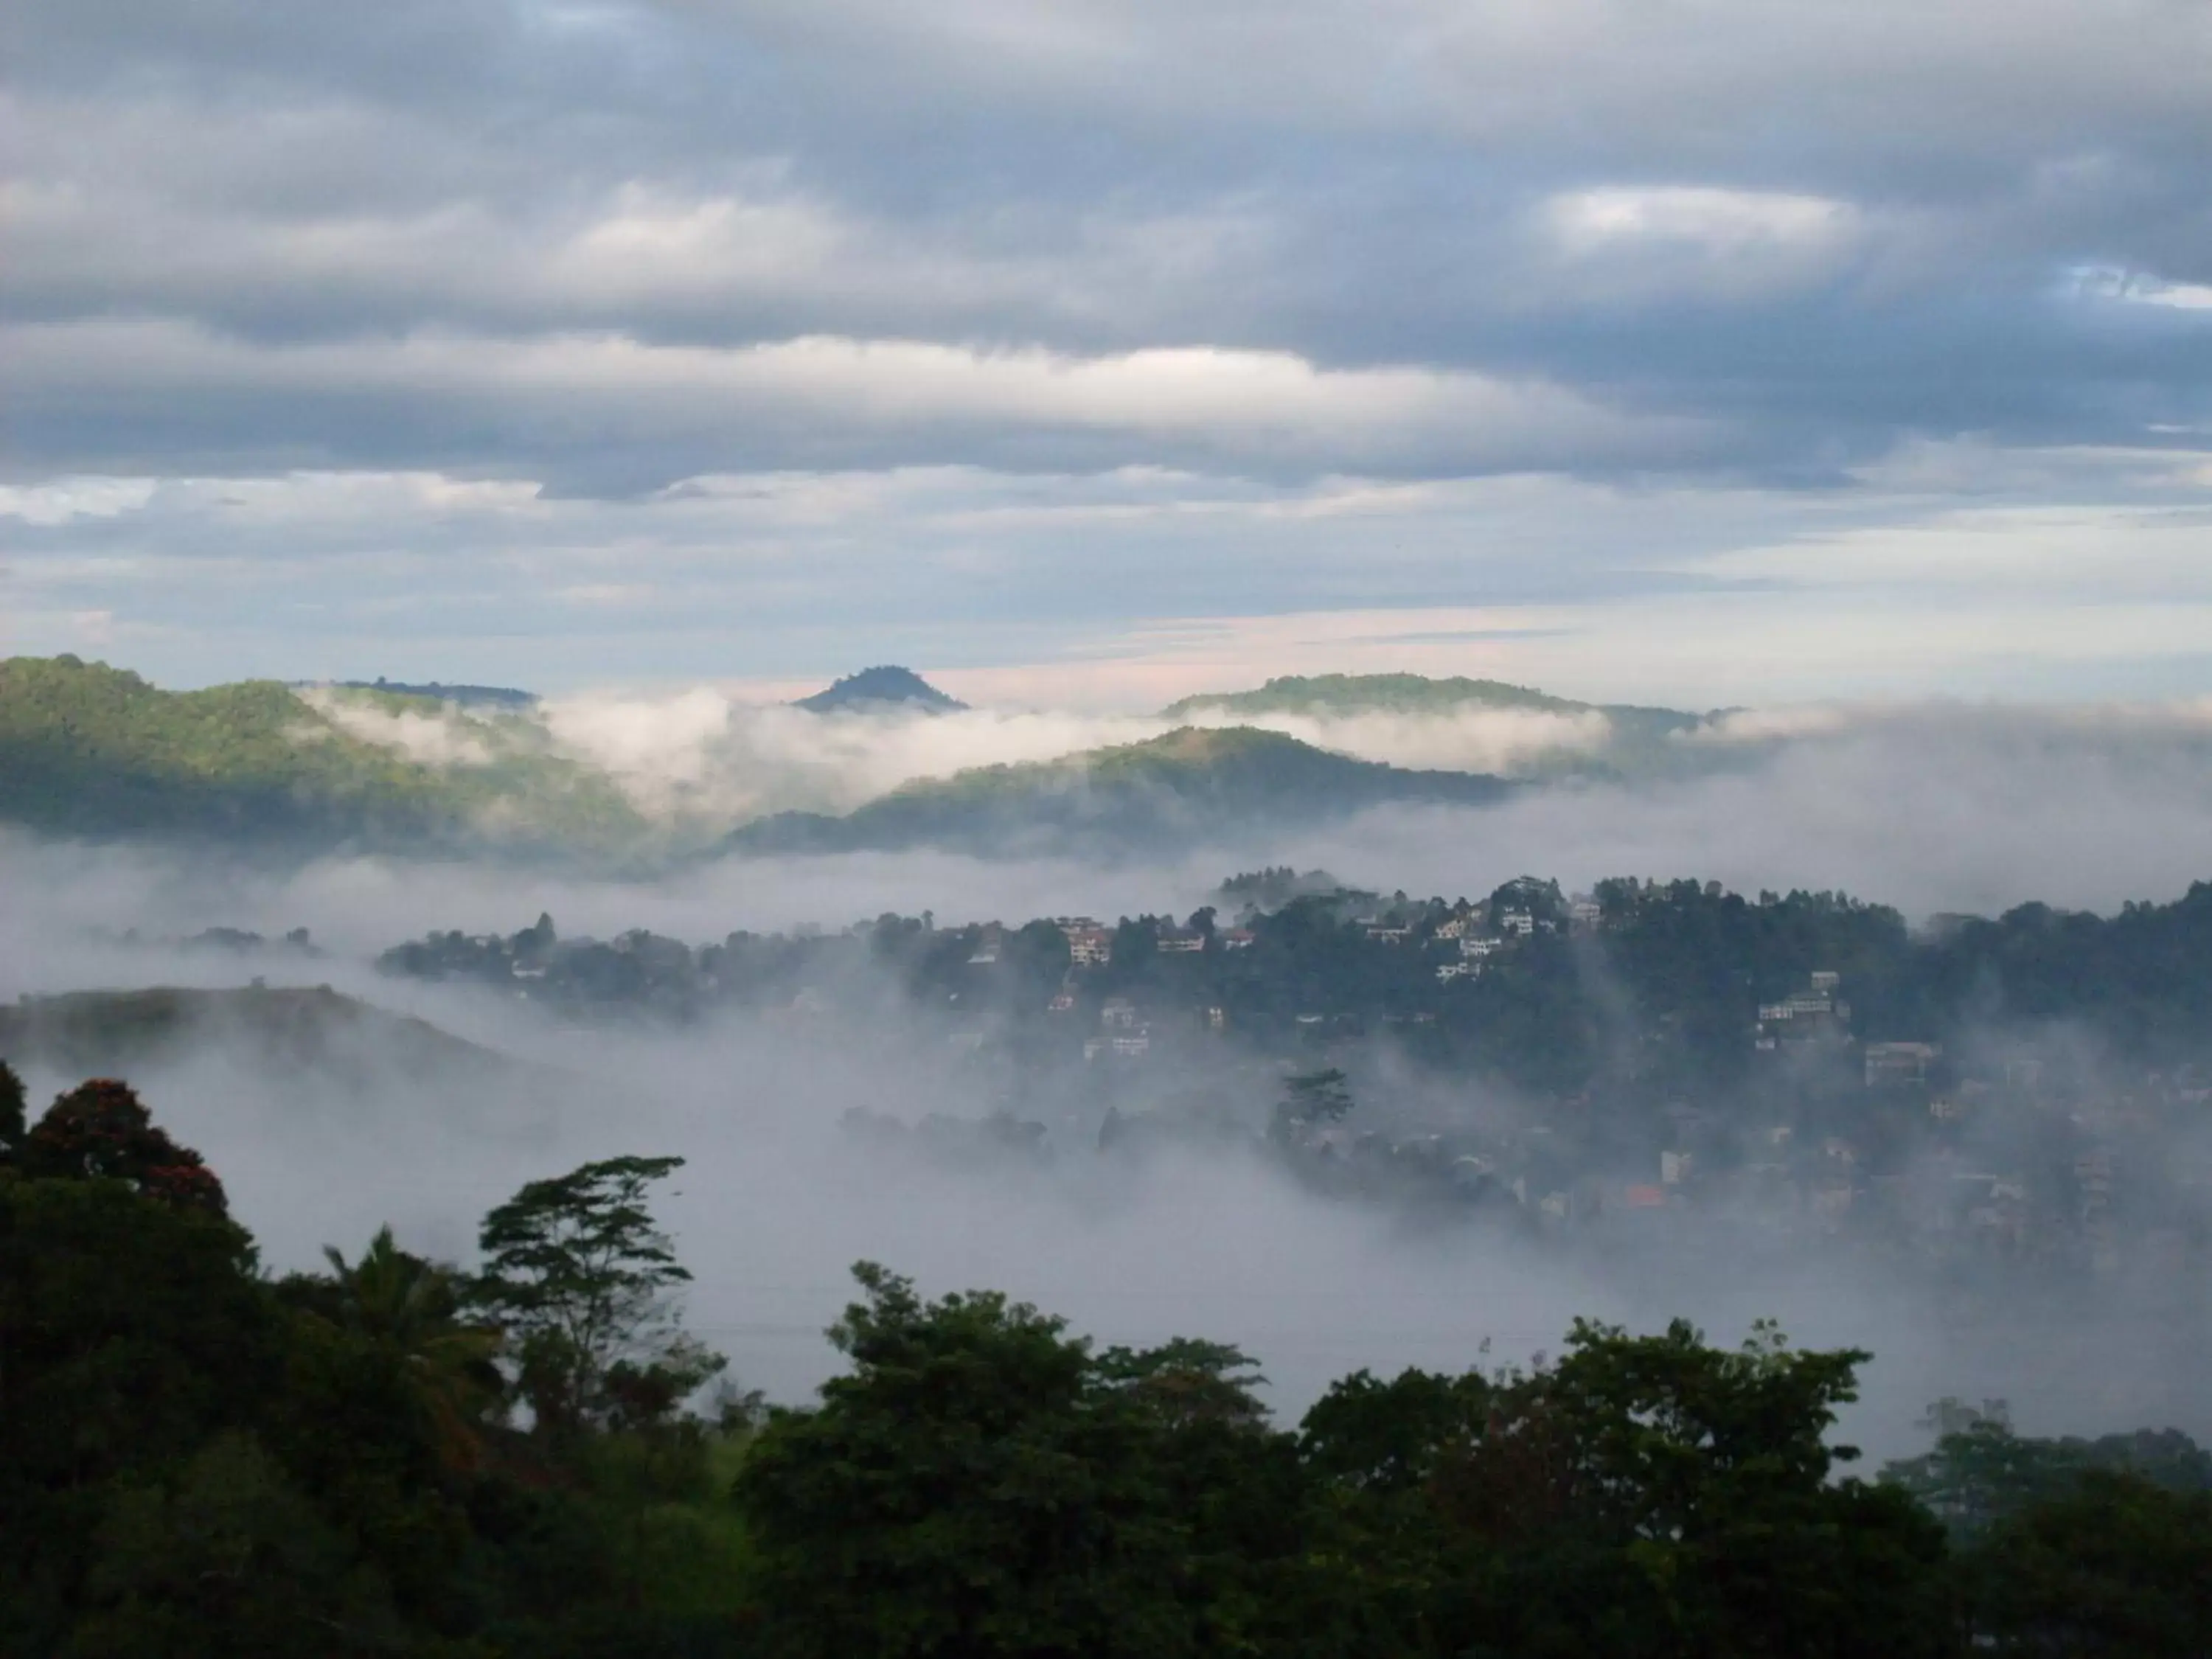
<point>1980,1474</point>
<point>1395,694</point>
<point>89,750</point>
<point>580,1275</point>
<point>131,1330</point>
<point>980,1483</point>
<point>233,1563</point>
<point>1633,738</point>
<point>1166,787</point>
<point>195,1460</point>
<point>412,1312</point>
<point>1641,1496</point>
<point>12,1102</point>
<point>2116,1565</point>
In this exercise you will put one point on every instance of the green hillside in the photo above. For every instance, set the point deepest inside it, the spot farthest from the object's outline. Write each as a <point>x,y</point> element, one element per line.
<point>1320,695</point>
<point>1636,740</point>
<point>316,1031</point>
<point>1166,789</point>
<point>93,751</point>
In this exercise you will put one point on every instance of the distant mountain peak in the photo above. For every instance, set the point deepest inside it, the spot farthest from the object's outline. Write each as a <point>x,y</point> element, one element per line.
<point>876,687</point>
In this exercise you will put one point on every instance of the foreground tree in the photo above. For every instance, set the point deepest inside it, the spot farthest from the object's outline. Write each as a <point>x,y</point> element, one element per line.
<point>412,1312</point>
<point>1980,1474</point>
<point>583,1281</point>
<point>131,1330</point>
<point>1641,1496</point>
<point>12,1102</point>
<point>980,1484</point>
<point>2116,1565</point>
<point>102,1130</point>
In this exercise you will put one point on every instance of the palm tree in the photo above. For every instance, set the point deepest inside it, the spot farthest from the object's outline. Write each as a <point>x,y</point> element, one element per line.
<point>412,1309</point>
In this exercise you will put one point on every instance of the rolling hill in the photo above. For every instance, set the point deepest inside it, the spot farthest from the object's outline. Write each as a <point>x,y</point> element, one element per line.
<point>1167,790</point>
<point>1596,738</point>
<point>257,766</point>
<point>319,1032</point>
<point>1322,694</point>
<point>90,750</point>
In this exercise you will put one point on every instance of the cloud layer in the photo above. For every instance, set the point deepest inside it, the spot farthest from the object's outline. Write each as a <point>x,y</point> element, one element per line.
<point>1196,267</point>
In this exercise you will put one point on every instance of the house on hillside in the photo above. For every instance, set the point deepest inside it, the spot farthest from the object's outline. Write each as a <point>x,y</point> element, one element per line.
<point>1899,1065</point>
<point>1091,946</point>
<point>1809,1014</point>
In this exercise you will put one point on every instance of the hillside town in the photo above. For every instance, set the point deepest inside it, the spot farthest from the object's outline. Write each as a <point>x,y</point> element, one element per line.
<point>1601,1067</point>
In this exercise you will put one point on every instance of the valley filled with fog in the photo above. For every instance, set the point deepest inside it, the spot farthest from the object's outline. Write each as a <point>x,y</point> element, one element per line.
<point>1934,809</point>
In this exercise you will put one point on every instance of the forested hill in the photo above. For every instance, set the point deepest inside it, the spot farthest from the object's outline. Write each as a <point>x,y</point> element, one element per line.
<point>87,750</point>
<point>1560,736</point>
<point>294,1031</point>
<point>465,696</point>
<point>1139,796</point>
<point>1409,694</point>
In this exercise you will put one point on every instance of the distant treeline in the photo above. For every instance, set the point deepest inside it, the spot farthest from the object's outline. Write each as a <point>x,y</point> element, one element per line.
<point>398,1456</point>
<point>1657,983</point>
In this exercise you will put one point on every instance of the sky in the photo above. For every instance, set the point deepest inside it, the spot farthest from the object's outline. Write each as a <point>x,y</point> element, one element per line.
<point>1091,353</point>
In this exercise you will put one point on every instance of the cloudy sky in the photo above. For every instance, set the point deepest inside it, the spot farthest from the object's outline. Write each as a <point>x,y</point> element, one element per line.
<point>1708,350</point>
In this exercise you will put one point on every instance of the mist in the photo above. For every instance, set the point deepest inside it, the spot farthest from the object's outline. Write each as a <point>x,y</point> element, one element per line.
<point>1934,808</point>
<point>708,758</point>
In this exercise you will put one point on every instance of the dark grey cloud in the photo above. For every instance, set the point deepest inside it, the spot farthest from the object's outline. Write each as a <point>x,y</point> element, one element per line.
<point>1771,243</point>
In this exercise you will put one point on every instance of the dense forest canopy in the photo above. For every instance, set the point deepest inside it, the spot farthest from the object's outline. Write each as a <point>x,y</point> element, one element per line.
<point>86,749</point>
<point>397,1455</point>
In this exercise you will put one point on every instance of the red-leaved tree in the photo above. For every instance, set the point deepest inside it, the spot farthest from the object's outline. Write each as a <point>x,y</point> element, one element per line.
<point>100,1129</point>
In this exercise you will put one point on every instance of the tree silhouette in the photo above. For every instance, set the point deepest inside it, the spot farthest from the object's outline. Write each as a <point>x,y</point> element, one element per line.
<point>578,1273</point>
<point>412,1308</point>
<point>100,1130</point>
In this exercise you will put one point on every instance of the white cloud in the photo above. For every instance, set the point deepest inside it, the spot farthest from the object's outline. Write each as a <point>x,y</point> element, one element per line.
<point>1700,240</point>
<point>1270,408</point>
<point>447,738</point>
<point>1724,222</point>
<point>2116,283</point>
<point>64,500</point>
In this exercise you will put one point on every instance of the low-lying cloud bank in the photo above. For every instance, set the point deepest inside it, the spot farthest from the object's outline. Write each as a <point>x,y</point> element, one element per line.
<point>1932,807</point>
<point>776,1201</point>
<point>707,756</point>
